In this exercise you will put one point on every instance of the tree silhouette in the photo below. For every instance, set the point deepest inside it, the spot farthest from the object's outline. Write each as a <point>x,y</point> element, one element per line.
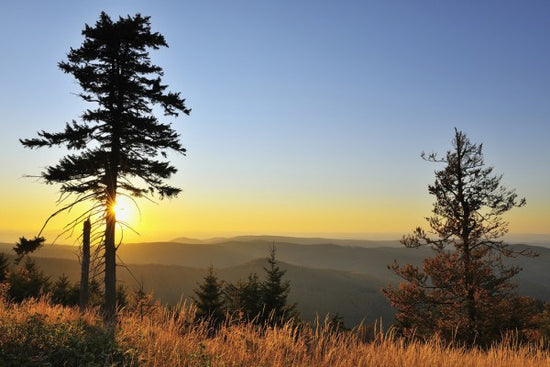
<point>64,292</point>
<point>210,303</point>
<point>264,302</point>
<point>460,291</point>
<point>119,139</point>
<point>275,292</point>
<point>245,298</point>
<point>27,281</point>
<point>25,247</point>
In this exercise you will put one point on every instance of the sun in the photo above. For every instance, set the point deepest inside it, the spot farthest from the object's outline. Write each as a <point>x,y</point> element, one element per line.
<point>125,210</point>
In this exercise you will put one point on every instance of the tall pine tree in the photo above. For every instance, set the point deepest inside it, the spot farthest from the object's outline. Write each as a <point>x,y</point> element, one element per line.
<point>119,147</point>
<point>464,291</point>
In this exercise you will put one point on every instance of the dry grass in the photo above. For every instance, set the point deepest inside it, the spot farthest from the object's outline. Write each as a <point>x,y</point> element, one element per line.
<point>246,345</point>
<point>156,336</point>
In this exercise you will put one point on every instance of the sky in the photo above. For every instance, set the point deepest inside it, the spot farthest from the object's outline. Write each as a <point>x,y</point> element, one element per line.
<point>308,117</point>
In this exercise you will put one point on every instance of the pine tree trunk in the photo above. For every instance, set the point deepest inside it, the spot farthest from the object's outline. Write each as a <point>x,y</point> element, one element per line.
<point>110,248</point>
<point>110,269</point>
<point>85,267</point>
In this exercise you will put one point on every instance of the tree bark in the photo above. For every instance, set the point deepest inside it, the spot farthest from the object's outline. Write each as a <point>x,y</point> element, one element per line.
<point>110,248</point>
<point>85,267</point>
<point>109,311</point>
<point>110,226</point>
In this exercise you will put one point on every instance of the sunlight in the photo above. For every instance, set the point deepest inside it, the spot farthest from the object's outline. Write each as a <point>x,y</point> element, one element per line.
<point>125,210</point>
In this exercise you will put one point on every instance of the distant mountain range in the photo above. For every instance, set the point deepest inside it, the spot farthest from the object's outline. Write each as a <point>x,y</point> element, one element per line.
<point>326,275</point>
<point>293,240</point>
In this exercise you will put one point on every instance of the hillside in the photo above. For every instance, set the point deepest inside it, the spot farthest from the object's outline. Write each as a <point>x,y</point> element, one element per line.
<point>534,280</point>
<point>39,334</point>
<point>354,296</point>
<point>324,277</point>
<point>232,253</point>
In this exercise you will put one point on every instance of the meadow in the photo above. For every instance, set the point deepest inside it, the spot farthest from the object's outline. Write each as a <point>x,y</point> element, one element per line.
<point>37,333</point>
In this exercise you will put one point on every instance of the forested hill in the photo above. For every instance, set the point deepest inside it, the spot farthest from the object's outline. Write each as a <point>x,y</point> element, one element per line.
<point>369,257</point>
<point>324,277</point>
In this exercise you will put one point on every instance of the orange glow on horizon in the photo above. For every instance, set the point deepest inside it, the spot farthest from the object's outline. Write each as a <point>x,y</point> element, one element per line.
<point>204,215</point>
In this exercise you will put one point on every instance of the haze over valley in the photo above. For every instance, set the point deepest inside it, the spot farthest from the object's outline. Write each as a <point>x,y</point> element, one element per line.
<point>333,276</point>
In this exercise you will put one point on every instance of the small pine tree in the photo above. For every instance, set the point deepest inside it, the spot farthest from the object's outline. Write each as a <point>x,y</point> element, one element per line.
<point>210,303</point>
<point>27,281</point>
<point>275,293</point>
<point>336,323</point>
<point>244,299</point>
<point>95,293</point>
<point>121,296</point>
<point>142,302</point>
<point>65,293</point>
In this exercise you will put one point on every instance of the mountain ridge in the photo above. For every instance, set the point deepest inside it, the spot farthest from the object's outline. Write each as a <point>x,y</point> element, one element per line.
<point>324,277</point>
<point>293,240</point>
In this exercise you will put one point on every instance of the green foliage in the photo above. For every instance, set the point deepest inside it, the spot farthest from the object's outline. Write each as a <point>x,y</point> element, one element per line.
<point>95,293</point>
<point>119,146</point>
<point>27,281</point>
<point>65,293</point>
<point>121,296</point>
<point>25,247</point>
<point>37,341</point>
<point>274,293</point>
<point>244,299</point>
<point>209,301</point>
<point>262,302</point>
<point>114,70</point>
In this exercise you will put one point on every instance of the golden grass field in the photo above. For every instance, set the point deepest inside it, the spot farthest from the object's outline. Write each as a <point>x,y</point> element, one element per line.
<point>152,335</point>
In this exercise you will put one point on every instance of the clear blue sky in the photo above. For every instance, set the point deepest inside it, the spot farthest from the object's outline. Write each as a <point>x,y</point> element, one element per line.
<point>308,116</point>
